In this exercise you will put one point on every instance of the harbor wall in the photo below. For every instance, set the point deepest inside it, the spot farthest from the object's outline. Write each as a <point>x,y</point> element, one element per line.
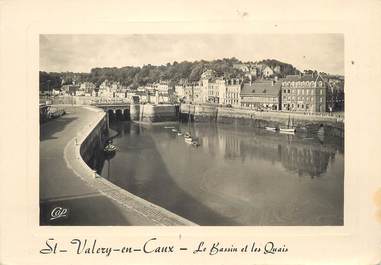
<point>153,113</point>
<point>92,145</point>
<point>331,125</point>
<point>86,147</point>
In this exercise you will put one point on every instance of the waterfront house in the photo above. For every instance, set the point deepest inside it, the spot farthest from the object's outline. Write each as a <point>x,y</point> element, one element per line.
<point>306,93</point>
<point>180,91</point>
<point>261,94</point>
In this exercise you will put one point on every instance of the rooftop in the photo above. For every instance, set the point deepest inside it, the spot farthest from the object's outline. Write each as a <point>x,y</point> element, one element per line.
<point>262,87</point>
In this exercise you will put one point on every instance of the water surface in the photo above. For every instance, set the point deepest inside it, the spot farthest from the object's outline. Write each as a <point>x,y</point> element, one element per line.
<point>237,176</point>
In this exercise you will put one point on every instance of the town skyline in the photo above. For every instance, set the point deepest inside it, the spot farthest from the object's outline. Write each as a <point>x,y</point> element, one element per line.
<point>81,53</point>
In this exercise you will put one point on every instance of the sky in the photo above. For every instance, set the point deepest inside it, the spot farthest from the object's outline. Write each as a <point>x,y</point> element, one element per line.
<point>80,53</point>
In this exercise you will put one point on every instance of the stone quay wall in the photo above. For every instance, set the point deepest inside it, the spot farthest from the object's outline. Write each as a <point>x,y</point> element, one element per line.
<point>313,122</point>
<point>85,144</point>
<point>95,140</point>
<point>153,113</point>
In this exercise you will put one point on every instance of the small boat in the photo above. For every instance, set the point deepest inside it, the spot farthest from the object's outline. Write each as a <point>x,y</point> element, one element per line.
<point>187,135</point>
<point>273,129</point>
<point>195,143</point>
<point>290,127</point>
<point>287,130</point>
<point>110,148</point>
<point>188,140</point>
<point>179,133</point>
<point>174,130</point>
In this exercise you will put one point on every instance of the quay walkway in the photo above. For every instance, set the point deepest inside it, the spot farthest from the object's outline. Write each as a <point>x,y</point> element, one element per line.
<point>89,201</point>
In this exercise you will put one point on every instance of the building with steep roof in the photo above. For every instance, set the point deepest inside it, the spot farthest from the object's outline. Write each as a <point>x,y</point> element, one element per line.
<point>261,94</point>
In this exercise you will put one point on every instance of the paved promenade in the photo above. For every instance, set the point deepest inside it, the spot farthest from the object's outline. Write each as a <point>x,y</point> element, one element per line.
<point>89,202</point>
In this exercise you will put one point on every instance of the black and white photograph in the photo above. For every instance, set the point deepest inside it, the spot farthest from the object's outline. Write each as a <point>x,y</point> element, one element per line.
<point>191,129</point>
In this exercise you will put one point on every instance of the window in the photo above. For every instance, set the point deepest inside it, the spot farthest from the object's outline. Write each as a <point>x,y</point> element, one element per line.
<point>321,91</point>
<point>298,91</point>
<point>289,91</point>
<point>321,99</point>
<point>302,92</point>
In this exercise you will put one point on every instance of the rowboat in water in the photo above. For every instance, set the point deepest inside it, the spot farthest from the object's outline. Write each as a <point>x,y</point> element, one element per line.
<point>188,140</point>
<point>287,130</point>
<point>273,129</point>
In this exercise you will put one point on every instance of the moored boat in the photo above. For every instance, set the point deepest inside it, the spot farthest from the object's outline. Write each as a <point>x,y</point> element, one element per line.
<point>273,129</point>
<point>195,143</point>
<point>287,130</point>
<point>290,127</point>
<point>110,148</point>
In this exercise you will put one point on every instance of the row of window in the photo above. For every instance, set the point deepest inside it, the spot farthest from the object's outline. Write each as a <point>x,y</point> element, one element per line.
<point>303,84</point>
<point>232,95</point>
<point>301,91</point>
<point>301,98</point>
<point>298,106</point>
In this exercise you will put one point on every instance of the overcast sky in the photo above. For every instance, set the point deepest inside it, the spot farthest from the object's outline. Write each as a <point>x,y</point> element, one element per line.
<point>80,53</point>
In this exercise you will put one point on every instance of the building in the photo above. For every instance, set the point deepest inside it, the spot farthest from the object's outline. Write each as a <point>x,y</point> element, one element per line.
<point>305,93</point>
<point>180,91</point>
<point>87,87</point>
<point>231,95</point>
<point>215,90</point>
<point>267,71</point>
<point>261,94</point>
<point>277,69</point>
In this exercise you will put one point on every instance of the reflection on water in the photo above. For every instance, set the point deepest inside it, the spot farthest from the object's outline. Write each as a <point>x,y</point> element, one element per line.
<point>237,176</point>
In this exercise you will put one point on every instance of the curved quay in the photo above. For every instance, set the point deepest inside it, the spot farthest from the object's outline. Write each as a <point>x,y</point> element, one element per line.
<point>74,160</point>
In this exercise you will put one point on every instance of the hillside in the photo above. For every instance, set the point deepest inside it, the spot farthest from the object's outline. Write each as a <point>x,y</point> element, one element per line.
<point>136,76</point>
